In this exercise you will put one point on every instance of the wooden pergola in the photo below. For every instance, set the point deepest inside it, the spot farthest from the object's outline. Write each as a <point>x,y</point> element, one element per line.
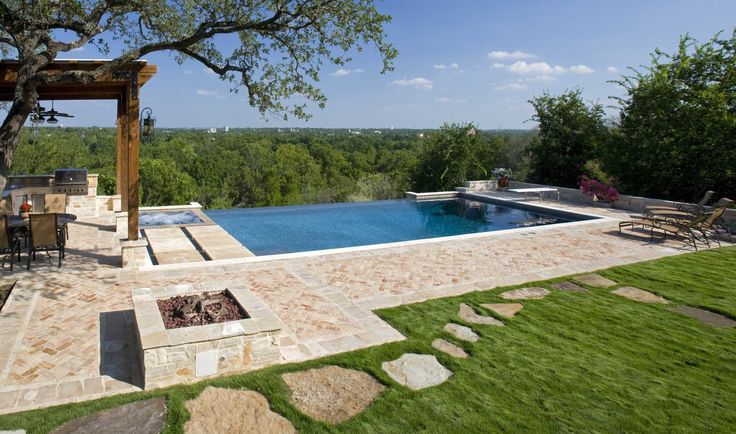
<point>122,85</point>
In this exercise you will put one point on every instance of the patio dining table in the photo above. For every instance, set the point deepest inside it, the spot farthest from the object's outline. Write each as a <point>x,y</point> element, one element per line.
<point>17,222</point>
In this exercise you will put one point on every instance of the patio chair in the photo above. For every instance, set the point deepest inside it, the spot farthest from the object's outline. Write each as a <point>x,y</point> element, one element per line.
<point>711,224</point>
<point>672,226</point>
<point>9,243</point>
<point>56,203</point>
<point>44,234</point>
<point>6,206</point>
<point>681,208</point>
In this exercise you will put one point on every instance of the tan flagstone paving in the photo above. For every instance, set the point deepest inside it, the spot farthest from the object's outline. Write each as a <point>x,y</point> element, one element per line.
<point>70,329</point>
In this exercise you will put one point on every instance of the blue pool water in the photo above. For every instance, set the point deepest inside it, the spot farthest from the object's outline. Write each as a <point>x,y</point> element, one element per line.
<point>274,230</point>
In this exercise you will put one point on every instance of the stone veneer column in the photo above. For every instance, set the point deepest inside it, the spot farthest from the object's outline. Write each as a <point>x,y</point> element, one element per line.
<point>135,253</point>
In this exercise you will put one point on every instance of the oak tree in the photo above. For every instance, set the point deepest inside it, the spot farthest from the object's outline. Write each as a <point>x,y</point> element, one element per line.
<point>274,49</point>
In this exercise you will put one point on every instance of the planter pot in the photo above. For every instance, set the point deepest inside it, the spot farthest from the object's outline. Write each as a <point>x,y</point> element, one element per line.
<point>503,182</point>
<point>602,203</point>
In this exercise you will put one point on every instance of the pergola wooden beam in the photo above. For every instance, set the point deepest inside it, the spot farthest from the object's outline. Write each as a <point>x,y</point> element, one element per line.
<point>122,85</point>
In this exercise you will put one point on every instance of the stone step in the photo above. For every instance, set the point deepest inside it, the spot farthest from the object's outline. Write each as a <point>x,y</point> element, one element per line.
<point>172,246</point>
<point>217,243</point>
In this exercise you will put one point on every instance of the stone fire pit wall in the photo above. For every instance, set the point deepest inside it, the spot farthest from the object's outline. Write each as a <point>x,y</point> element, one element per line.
<point>191,353</point>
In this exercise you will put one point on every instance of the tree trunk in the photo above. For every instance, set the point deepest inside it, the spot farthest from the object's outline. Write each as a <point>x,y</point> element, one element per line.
<point>10,131</point>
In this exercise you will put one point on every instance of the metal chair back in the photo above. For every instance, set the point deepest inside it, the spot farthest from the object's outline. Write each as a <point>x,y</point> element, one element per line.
<point>43,230</point>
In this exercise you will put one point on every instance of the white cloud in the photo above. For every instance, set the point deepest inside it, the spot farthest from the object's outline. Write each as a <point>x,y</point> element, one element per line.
<point>542,77</point>
<point>498,65</point>
<point>447,100</point>
<point>511,86</point>
<point>417,82</point>
<point>442,66</point>
<point>78,49</point>
<point>342,72</point>
<point>581,69</point>
<point>204,92</point>
<point>612,69</point>
<point>542,68</point>
<point>510,55</point>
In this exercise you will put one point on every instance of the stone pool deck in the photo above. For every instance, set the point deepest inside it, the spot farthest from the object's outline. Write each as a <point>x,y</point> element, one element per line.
<point>69,333</point>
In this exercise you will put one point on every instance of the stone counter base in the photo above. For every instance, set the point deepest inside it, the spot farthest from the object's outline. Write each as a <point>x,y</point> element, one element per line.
<point>184,363</point>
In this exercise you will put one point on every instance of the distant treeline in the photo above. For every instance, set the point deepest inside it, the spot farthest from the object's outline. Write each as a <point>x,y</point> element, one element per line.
<point>266,167</point>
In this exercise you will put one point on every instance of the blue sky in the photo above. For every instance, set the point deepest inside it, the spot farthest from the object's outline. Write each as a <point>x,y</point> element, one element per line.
<point>462,60</point>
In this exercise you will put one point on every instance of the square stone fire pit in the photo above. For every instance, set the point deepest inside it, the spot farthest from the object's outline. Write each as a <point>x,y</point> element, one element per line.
<point>190,353</point>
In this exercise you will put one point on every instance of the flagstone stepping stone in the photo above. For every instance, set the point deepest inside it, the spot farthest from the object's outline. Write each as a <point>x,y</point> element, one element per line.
<point>594,279</point>
<point>140,417</point>
<point>530,293</point>
<point>449,348</point>
<point>568,286</point>
<point>639,295</point>
<point>17,431</point>
<point>218,410</point>
<point>332,394</point>
<point>417,371</point>
<point>706,316</point>
<point>507,310</point>
<point>468,314</point>
<point>461,332</point>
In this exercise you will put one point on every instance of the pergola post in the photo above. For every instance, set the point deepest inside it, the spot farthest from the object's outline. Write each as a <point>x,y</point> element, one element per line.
<point>133,148</point>
<point>121,155</point>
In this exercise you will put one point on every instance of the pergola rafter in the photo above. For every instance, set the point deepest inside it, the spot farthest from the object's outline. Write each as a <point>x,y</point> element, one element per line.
<point>122,85</point>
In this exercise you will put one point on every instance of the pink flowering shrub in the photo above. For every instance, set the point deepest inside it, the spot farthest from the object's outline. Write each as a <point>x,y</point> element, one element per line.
<point>599,190</point>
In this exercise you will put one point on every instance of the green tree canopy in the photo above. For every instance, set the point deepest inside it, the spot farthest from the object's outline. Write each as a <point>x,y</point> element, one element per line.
<point>450,157</point>
<point>678,123</point>
<point>162,183</point>
<point>570,133</point>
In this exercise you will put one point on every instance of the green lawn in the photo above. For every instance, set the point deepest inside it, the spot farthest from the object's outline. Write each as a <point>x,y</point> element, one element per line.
<point>573,362</point>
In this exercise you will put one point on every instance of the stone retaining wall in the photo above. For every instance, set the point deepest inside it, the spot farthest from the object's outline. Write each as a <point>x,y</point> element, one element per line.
<point>635,204</point>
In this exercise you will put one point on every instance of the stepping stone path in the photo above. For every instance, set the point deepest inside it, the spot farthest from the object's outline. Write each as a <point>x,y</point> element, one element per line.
<point>417,371</point>
<point>449,348</point>
<point>594,279</point>
<point>141,417</point>
<point>706,316</point>
<point>639,295</point>
<point>506,310</point>
<point>17,431</point>
<point>461,332</point>
<point>332,394</point>
<point>230,411</point>
<point>568,287</point>
<point>468,314</point>
<point>530,293</point>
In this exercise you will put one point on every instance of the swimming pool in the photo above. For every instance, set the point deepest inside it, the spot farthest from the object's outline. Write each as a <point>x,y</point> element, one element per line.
<point>288,229</point>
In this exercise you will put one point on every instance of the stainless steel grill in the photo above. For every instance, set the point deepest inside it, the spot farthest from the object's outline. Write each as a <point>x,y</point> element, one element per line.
<point>71,182</point>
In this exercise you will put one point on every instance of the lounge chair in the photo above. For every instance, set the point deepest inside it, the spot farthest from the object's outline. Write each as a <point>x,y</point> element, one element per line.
<point>9,243</point>
<point>672,226</point>
<point>44,234</point>
<point>681,208</point>
<point>711,223</point>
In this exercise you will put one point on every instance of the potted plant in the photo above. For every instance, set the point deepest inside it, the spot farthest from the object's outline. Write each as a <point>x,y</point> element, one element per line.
<point>602,193</point>
<point>502,175</point>
<point>24,209</point>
